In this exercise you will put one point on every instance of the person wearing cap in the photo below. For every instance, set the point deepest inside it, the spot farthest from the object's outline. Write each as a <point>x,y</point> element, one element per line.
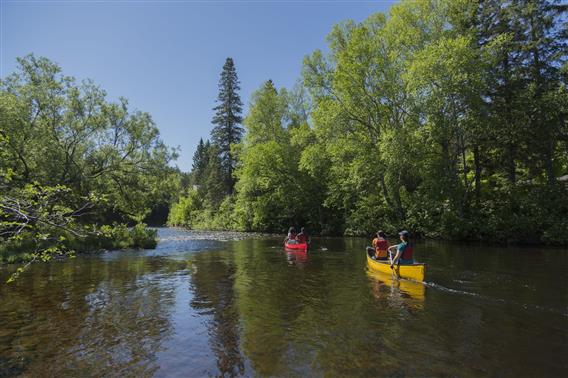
<point>380,246</point>
<point>402,251</point>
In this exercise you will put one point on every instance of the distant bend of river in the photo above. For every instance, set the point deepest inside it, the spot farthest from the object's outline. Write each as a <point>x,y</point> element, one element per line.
<point>225,304</point>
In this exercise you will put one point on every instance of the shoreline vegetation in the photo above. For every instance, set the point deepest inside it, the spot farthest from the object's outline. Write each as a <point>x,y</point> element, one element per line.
<point>77,172</point>
<point>108,237</point>
<point>446,118</point>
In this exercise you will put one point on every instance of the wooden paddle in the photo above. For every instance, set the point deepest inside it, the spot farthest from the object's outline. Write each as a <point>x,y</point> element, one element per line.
<point>394,273</point>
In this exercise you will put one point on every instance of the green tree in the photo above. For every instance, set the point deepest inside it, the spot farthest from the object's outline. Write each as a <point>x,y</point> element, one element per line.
<point>200,162</point>
<point>227,119</point>
<point>213,188</point>
<point>268,186</point>
<point>71,161</point>
<point>544,52</point>
<point>64,133</point>
<point>446,117</point>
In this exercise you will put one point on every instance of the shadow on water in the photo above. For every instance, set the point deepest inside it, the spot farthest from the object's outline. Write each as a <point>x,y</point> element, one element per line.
<point>244,307</point>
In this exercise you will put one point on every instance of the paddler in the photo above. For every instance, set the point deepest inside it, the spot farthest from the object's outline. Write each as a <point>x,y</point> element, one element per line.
<point>380,246</point>
<point>402,251</point>
<point>291,238</point>
<point>302,237</point>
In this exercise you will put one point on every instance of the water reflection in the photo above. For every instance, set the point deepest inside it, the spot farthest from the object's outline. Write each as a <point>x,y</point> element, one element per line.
<point>212,284</point>
<point>298,258</point>
<point>386,285</point>
<point>99,319</point>
<point>241,308</point>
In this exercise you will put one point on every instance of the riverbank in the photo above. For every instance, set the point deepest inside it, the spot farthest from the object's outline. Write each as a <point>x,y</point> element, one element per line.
<point>107,237</point>
<point>526,242</point>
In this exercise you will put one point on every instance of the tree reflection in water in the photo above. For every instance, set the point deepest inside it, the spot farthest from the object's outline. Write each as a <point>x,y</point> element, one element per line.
<point>212,284</point>
<point>95,317</point>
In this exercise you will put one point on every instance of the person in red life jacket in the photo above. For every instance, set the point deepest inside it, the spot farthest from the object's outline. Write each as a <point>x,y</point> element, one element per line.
<point>380,245</point>
<point>302,237</point>
<point>291,238</point>
<point>402,251</point>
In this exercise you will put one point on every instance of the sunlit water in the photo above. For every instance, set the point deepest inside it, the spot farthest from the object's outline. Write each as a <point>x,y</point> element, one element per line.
<point>239,306</point>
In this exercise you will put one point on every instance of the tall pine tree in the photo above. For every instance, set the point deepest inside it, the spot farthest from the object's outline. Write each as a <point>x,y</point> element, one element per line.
<point>227,120</point>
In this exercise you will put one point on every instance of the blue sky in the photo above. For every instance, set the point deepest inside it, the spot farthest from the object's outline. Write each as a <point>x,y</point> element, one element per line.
<point>166,56</point>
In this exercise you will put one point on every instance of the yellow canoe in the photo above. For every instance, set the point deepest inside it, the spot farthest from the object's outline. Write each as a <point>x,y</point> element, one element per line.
<point>414,272</point>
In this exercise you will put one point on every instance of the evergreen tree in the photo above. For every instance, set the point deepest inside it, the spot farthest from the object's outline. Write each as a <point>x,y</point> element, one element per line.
<point>498,23</point>
<point>543,51</point>
<point>530,49</point>
<point>227,119</point>
<point>200,162</point>
<point>213,189</point>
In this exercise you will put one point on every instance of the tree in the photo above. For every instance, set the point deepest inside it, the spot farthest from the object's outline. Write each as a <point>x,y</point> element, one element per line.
<point>227,119</point>
<point>543,52</point>
<point>72,162</point>
<point>61,132</point>
<point>200,162</point>
<point>268,188</point>
<point>445,117</point>
<point>213,189</point>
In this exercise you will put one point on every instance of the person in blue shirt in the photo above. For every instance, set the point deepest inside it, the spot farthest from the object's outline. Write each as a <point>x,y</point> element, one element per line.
<point>403,251</point>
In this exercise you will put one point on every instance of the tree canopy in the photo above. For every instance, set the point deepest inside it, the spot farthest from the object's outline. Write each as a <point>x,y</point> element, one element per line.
<point>447,118</point>
<point>71,160</point>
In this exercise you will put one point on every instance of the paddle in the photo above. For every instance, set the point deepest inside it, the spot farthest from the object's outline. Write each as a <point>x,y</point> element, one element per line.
<point>394,273</point>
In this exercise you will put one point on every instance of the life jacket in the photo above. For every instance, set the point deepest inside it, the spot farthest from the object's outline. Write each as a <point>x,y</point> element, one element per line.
<point>381,254</point>
<point>407,252</point>
<point>381,247</point>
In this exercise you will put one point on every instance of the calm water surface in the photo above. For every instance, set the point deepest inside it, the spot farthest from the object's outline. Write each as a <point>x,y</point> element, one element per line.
<point>199,307</point>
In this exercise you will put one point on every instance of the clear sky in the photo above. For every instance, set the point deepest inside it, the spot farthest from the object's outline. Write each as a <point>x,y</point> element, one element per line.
<point>166,56</point>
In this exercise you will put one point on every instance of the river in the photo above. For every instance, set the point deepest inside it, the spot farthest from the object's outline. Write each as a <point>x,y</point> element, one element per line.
<point>220,304</point>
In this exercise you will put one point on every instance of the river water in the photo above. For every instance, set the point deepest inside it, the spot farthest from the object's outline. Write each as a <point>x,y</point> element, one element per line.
<point>218,304</point>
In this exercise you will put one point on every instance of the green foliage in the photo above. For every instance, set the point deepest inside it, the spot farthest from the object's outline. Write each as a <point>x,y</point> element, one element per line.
<point>445,117</point>
<point>28,247</point>
<point>200,162</point>
<point>271,190</point>
<point>184,212</point>
<point>70,161</point>
<point>119,236</point>
<point>60,132</point>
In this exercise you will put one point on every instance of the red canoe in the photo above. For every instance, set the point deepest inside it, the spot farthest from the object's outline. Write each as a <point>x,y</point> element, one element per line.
<point>302,246</point>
